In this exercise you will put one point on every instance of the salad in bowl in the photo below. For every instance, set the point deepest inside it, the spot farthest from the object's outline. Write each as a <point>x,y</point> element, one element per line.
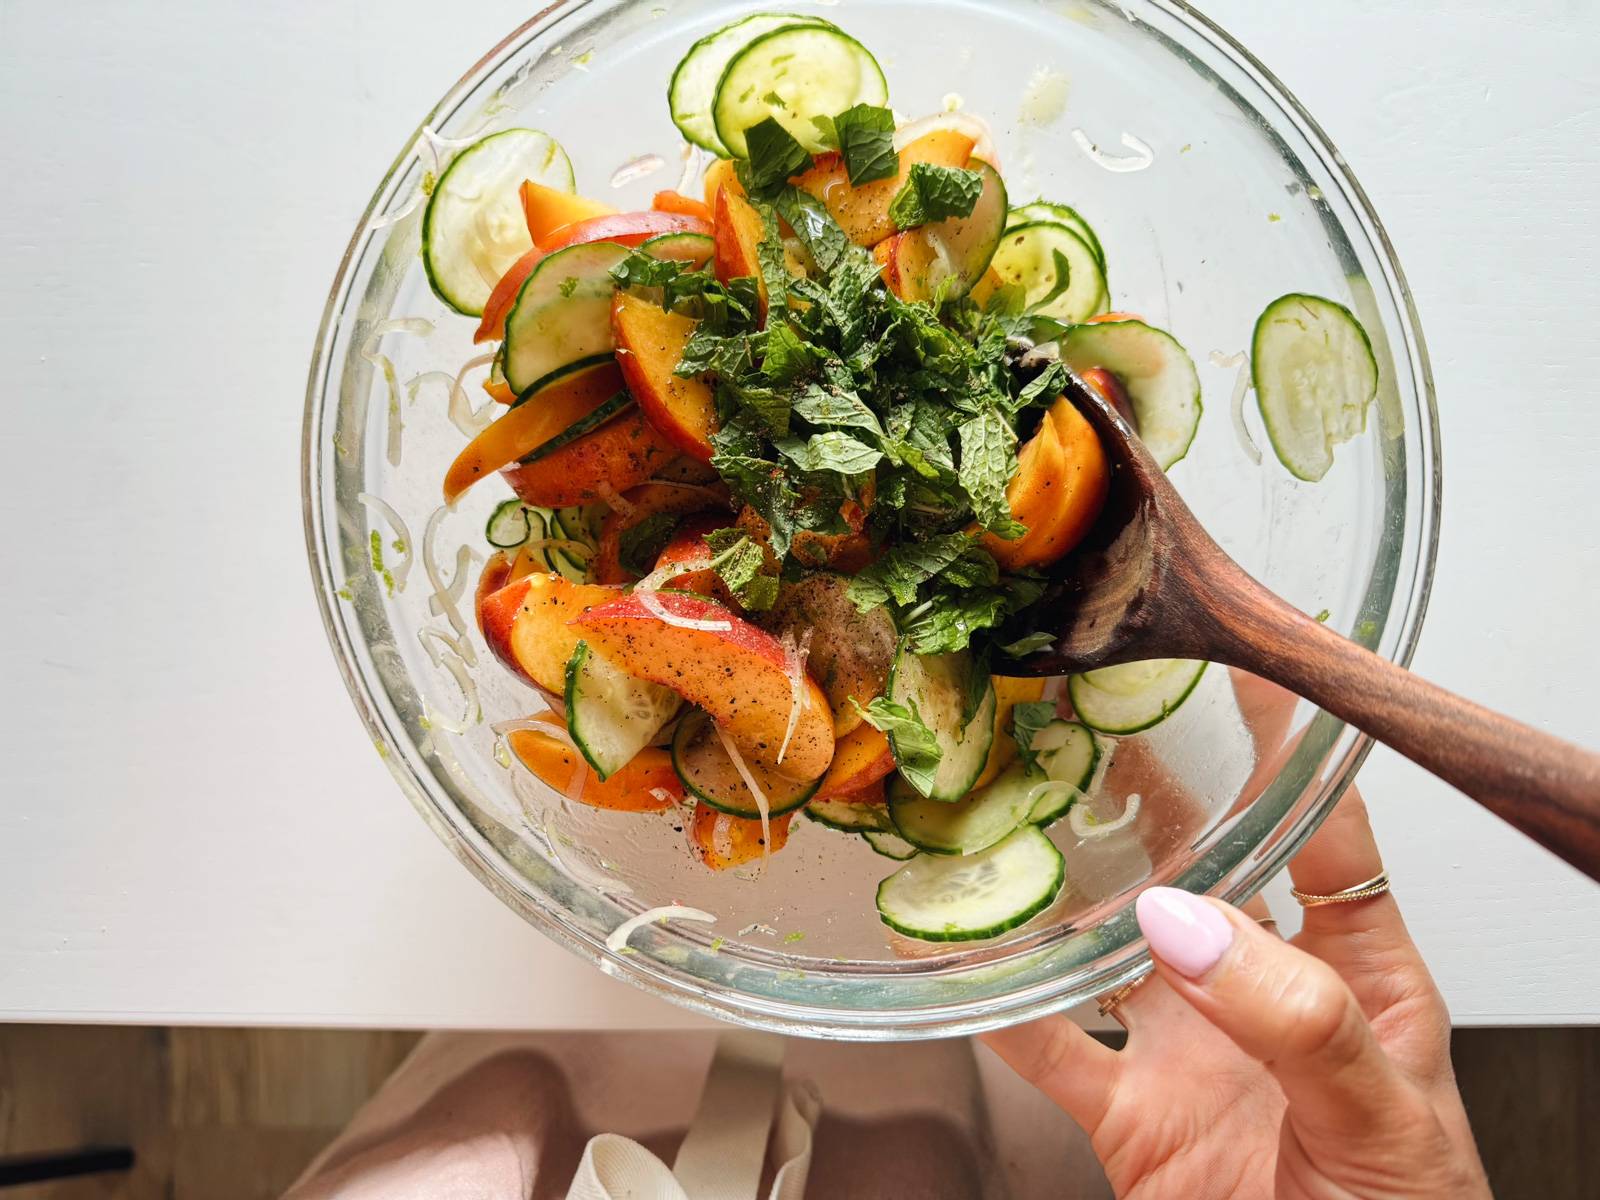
<point>778,499</point>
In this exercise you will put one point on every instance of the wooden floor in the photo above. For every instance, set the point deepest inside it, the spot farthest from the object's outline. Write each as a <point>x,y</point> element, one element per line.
<point>227,1113</point>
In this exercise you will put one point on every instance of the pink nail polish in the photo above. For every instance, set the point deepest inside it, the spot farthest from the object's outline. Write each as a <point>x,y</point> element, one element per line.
<point>1184,931</point>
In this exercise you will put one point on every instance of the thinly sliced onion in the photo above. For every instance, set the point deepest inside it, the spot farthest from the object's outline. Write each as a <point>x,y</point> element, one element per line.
<point>1086,825</point>
<point>693,156</point>
<point>466,556</point>
<point>401,213</point>
<point>514,724</point>
<point>1241,387</point>
<point>451,659</point>
<point>974,127</point>
<point>1141,157</point>
<point>755,790</point>
<point>614,501</point>
<point>637,168</point>
<point>402,534</point>
<point>1050,787</point>
<point>663,796</point>
<point>794,666</point>
<point>468,421</point>
<point>369,351</point>
<point>447,603</point>
<point>618,937</point>
<point>648,587</point>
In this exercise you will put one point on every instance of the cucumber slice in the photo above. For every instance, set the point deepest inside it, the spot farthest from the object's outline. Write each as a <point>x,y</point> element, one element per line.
<point>934,686</point>
<point>794,73</point>
<point>610,714</point>
<point>562,372</point>
<point>1315,377</point>
<point>474,227</point>
<point>966,826</point>
<point>563,312</point>
<point>568,524</point>
<point>1031,255</point>
<point>847,816</point>
<point>702,762</point>
<point>508,525</point>
<point>1061,214</point>
<point>694,82</point>
<point>1133,696</point>
<point>1069,753</point>
<point>695,249</point>
<point>1156,371</point>
<point>937,898</point>
<point>889,845</point>
<point>955,253</point>
<point>606,412</point>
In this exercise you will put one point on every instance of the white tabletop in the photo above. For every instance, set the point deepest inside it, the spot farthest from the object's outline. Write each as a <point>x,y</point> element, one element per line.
<point>194,826</point>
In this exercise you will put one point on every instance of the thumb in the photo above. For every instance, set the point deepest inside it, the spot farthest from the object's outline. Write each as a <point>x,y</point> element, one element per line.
<point>1284,1008</point>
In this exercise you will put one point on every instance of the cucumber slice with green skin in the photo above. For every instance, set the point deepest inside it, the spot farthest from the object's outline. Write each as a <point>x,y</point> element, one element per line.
<point>702,762</point>
<point>966,826</point>
<point>1028,256</point>
<point>1154,369</point>
<point>1069,753</point>
<point>939,898</point>
<point>474,227</point>
<point>934,686</point>
<point>889,845</point>
<point>612,408</point>
<point>695,249</point>
<point>567,524</point>
<point>562,372</point>
<point>563,312</point>
<point>1315,377</point>
<point>610,714</point>
<point>509,525</point>
<point>850,817</point>
<point>1061,214</point>
<point>960,249</point>
<point>1133,696</point>
<point>694,83</point>
<point>812,70</point>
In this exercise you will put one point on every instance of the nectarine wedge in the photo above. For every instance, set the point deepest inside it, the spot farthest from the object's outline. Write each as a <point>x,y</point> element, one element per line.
<point>617,456</point>
<point>546,209</point>
<point>861,758</point>
<point>1008,693</point>
<point>650,342</point>
<point>1085,478</point>
<point>737,674</point>
<point>721,840</point>
<point>526,624</point>
<point>862,210</point>
<point>643,502</point>
<point>1032,494</point>
<point>647,784</point>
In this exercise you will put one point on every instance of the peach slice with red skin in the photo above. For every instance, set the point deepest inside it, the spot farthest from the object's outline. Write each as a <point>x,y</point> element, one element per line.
<point>721,840</point>
<point>650,343</point>
<point>527,624</point>
<point>738,674</point>
<point>645,501</point>
<point>621,454</point>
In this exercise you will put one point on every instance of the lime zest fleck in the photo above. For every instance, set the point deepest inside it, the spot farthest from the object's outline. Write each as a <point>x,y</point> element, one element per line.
<point>344,593</point>
<point>378,569</point>
<point>1322,617</point>
<point>717,944</point>
<point>797,935</point>
<point>1273,218</point>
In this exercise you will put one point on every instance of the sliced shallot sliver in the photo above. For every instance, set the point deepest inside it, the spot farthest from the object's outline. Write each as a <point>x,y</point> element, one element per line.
<point>663,796</point>
<point>1141,157</point>
<point>755,790</point>
<point>514,724</point>
<point>794,665</point>
<point>447,604</point>
<point>1241,386</point>
<point>402,534</point>
<point>618,937</point>
<point>400,214</point>
<point>451,659</point>
<point>648,587</point>
<point>692,157</point>
<point>369,351</point>
<point>1086,825</point>
<point>468,421</point>
<point>614,501</point>
<point>466,556</point>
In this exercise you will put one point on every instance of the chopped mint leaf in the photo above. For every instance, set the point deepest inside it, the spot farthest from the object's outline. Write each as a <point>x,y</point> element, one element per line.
<point>988,461</point>
<point>640,269</point>
<point>773,156</point>
<point>822,406</point>
<point>1044,388</point>
<point>829,451</point>
<point>375,545</point>
<point>902,569</point>
<point>787,357</point>
<point>567,286</point>
<point>1026,645</point>
<point>1027,720</point>
<point>949,625</point>
<point>1322,617</point>
<point>865,136</point>
<point>638,547</point>
<point>774,264</point>
<point>1062,282</point>
<point>821,235</point>
<point>772,99</point>
<point>916,750</point>
<point>741,563</point>
<point>935,193</point>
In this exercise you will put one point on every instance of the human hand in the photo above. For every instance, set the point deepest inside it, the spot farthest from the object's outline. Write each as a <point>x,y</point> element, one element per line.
<point>1255,1067</point>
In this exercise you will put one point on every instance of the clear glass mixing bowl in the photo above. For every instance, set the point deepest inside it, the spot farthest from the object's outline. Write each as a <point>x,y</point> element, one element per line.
<point>1243,199</point>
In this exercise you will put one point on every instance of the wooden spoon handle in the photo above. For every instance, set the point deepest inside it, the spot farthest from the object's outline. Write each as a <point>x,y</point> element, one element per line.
<point>1547,788</point>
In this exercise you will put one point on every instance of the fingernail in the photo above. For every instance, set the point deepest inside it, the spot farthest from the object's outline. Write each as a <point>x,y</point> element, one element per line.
<point>1184,931</point>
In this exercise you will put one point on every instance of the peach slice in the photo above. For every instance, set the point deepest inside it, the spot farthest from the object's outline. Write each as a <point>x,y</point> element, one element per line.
<point>647,784</point>
<point>619,455</point>
<point>737,674</point>
<point>860,758</point>
<point>650,342</point>
<point>546,209</point>
<point>862,210</point>
<point>1008,693</point>
<point>645,501</point>
<point>526,624</point>
<point>722,840</point>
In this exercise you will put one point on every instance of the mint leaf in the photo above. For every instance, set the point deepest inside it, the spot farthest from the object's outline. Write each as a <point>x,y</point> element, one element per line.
<point>767,404</point>
<point>639,546</point>
<point>774,264</point>
<point>827,132</point>
<point>740,563</point>
<point>1044,388</point>
<point>948,626</point>
<point>865,136</point>
<point>831,451</point>
<point>934,193</point>
<point>916,750</point>
<point>1026,645</point>
<point>1027,720</point>
<point>773,155</point>
<point>902,569</point>
<point>821,235</point>
<point>787,358</point>
<point>840,409</point>
<point>987,463</point>
<point>640,269</point>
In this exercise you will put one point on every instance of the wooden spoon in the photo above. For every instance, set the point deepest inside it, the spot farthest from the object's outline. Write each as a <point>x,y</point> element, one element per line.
<point>1150,583</point>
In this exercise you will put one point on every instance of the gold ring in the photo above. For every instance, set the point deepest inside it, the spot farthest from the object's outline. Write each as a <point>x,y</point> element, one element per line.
<point>1108,1003</point>
<point>1376,886</point>
<point>1268,923</point>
